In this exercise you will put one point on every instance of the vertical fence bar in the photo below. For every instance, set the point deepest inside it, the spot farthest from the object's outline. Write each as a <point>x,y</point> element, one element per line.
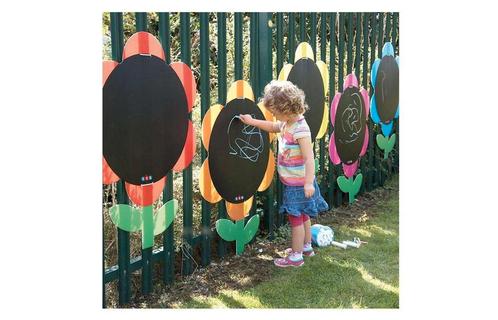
<point>302,27</point>
<point>364,170</point>
<point>340,80</point>
<point>350,44</point>
<point>331,176</point>
<point>388,27</point>
<point>168,235</point>
<point>379,158</point>
<point>396,121</point>
<point>141,21</point>
<point>357,48</point>
<point>238,45</point>
<point>264,61</point>
<point>280,64</point>
<point>187,173</point>
<point>395,32</point>
<point>372,129</point>
<point>313,34</point>
<point>323,57</point>
<point>141,25</point>
<point>117,42</point>
<point>357,27</point>
<point>222,94</point>
<point>291,38</point>
<point>205,102</point>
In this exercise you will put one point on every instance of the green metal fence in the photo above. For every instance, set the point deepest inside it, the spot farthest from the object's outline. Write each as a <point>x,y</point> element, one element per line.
<point>348,42</point>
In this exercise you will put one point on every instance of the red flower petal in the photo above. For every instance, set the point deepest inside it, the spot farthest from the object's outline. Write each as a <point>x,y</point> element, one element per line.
<point>143,43</point>
<point>107,67</point>
<point>187,78</point>
<point>108,176</point>
<point>188,150</point>
<point>145,195</point>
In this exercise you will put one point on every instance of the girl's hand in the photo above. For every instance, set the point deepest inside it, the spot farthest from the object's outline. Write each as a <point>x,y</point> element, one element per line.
<point>246,118</point>
<point>309,190</point>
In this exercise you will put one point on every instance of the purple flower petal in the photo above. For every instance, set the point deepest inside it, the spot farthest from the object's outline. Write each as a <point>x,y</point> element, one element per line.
<point>334,156</point>
<point>365,142</point>
<point>350,81</point>
<point>350,169</point>
<point>333,107</point>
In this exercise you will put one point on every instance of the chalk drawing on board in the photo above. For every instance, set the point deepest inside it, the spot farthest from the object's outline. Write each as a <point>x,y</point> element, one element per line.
<point>250,146</point>
<point>351,120</point>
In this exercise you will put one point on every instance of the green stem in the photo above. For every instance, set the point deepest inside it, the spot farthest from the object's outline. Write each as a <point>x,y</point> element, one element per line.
<point>239,241</point>
<point>147,227</point>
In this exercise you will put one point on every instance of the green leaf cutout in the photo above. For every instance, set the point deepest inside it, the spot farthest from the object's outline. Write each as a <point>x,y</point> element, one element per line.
<point>226,229</point>
<point>350,185</point>
<point>165,216</point>
<point>132,219</point>
<point>344,183</point>
<point>251,228</point>
<point>386,143</point>
<point>126,218</point>
<point>235,231</point>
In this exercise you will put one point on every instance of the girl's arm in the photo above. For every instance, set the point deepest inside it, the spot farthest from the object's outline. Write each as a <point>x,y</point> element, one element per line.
<point>309,165</point>
<point>269,126</point>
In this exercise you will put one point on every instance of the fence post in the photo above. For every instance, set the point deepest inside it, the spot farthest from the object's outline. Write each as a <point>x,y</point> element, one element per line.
<point>372,174</point>
<point>340,81</point>
<point>264,63</point>
<point>331,167</point>
<point>117,43</point>
<point>168,234</point>
<point>222,95</point>
<point>205,102</point>
<point>364,168</point>
<point>187,173</point>
<point>291,41</point>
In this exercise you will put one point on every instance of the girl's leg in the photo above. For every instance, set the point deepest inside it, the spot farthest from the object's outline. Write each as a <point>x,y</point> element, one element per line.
<point>307,228</point>
<point>298,238</point>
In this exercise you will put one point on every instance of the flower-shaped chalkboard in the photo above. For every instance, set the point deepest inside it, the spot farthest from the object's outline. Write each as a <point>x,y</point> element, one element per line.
<point>384,105</point>
<point>146,131</point>
<point>239,162</point>
<point>349,141</point>
<point>313,79</point>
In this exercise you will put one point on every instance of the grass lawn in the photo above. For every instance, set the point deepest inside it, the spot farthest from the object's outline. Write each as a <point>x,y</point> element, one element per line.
<point>366,277</point>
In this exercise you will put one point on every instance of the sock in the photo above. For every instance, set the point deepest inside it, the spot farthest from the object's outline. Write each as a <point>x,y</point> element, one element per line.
<point>307,247</point>
<point>296,256</point>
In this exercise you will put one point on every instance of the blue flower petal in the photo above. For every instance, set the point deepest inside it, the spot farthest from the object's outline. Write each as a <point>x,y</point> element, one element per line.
<point>386,128</point>
<point>387,49</point>
<point>396,116</point>
<point>373,73</point>
<point>373,110</point>
<point>397,60</point>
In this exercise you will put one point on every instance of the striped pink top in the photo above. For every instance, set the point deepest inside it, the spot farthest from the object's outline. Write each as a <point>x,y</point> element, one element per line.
<point>290,164</point>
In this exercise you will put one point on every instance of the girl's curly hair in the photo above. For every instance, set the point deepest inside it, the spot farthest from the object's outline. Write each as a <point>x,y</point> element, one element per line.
<point>284,97</point>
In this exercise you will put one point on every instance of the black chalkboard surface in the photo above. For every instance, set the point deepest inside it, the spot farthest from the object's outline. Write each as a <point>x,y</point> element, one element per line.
<point>238,153</point>
<point>144,119</point>
<point>350,123</point>
<point>387,89</point>
<point>306,75</point>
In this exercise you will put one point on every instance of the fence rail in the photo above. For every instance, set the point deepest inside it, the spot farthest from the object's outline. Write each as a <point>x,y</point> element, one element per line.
<point>348,42</point>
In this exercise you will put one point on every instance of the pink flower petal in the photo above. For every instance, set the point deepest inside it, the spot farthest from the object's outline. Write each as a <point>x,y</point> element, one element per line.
<point>350,81</point>
<point>334,156</point>
<point>365,142</point>
<point>350,169</point>
<point>333,107</point>
<point>366,100</point>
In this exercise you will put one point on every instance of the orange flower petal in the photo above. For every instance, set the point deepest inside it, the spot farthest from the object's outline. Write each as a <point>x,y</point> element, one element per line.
<point>238,211</point>
<point>270,170</point>
<point>143,43</point>
<point>108,176</point>
<point>206,186</point>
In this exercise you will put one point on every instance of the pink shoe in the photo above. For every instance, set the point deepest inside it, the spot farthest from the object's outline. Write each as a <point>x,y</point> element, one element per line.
<point>286,262</point>
<point>309,253</point>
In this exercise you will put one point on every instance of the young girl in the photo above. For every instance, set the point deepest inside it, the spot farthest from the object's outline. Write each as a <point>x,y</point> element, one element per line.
<point>296,165</point>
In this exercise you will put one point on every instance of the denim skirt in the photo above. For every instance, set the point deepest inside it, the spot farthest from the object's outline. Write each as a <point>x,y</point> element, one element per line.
<point>294,202</point>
